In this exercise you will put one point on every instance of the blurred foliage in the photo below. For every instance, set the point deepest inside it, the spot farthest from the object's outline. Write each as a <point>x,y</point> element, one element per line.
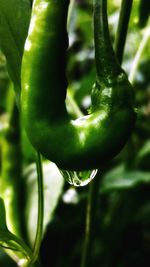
<point>120,234</point>
<point>53,185</point>
<point>12,34</point>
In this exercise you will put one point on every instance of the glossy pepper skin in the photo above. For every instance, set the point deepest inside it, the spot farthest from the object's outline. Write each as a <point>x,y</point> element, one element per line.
<point>90,141</point>
<point>10,180</point>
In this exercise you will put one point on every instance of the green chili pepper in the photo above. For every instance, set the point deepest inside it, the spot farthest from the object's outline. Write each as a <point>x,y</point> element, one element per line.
<point>89,141</point>
<point>11,172</point>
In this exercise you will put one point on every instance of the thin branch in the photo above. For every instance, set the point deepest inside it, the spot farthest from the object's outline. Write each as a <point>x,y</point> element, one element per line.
<point>126,7</point>
<point>86,243</point>
<point>39,232</point>
<point>144,40</point>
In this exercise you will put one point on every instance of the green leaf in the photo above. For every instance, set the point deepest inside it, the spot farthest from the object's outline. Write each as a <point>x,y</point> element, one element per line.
<point>7,239</point>
<point>15,245</point>
<point>143,156</point>
<point>14,21</point>
<point>120,179</point>
<point>53,186</point>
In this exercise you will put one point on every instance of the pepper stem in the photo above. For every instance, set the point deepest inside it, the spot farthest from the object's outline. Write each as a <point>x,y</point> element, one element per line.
<point>107,66</point>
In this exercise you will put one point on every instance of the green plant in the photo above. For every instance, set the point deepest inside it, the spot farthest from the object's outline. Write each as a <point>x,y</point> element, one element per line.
<point>117,200</point>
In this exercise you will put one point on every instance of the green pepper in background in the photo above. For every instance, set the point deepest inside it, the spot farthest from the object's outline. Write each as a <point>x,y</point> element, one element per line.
<point>11,172</point>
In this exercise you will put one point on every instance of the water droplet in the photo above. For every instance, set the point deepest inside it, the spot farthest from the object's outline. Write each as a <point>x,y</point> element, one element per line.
<point>78,178</point>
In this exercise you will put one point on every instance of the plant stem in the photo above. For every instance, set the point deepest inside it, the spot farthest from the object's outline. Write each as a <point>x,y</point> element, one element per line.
<point>126,7</point>
<point>71,7</point>
<point>107,66</point>
<point>146,35</point>
<point>90,221</point>
<point>87,227</point>
<point>39,232</point>
<point>74,107</point>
